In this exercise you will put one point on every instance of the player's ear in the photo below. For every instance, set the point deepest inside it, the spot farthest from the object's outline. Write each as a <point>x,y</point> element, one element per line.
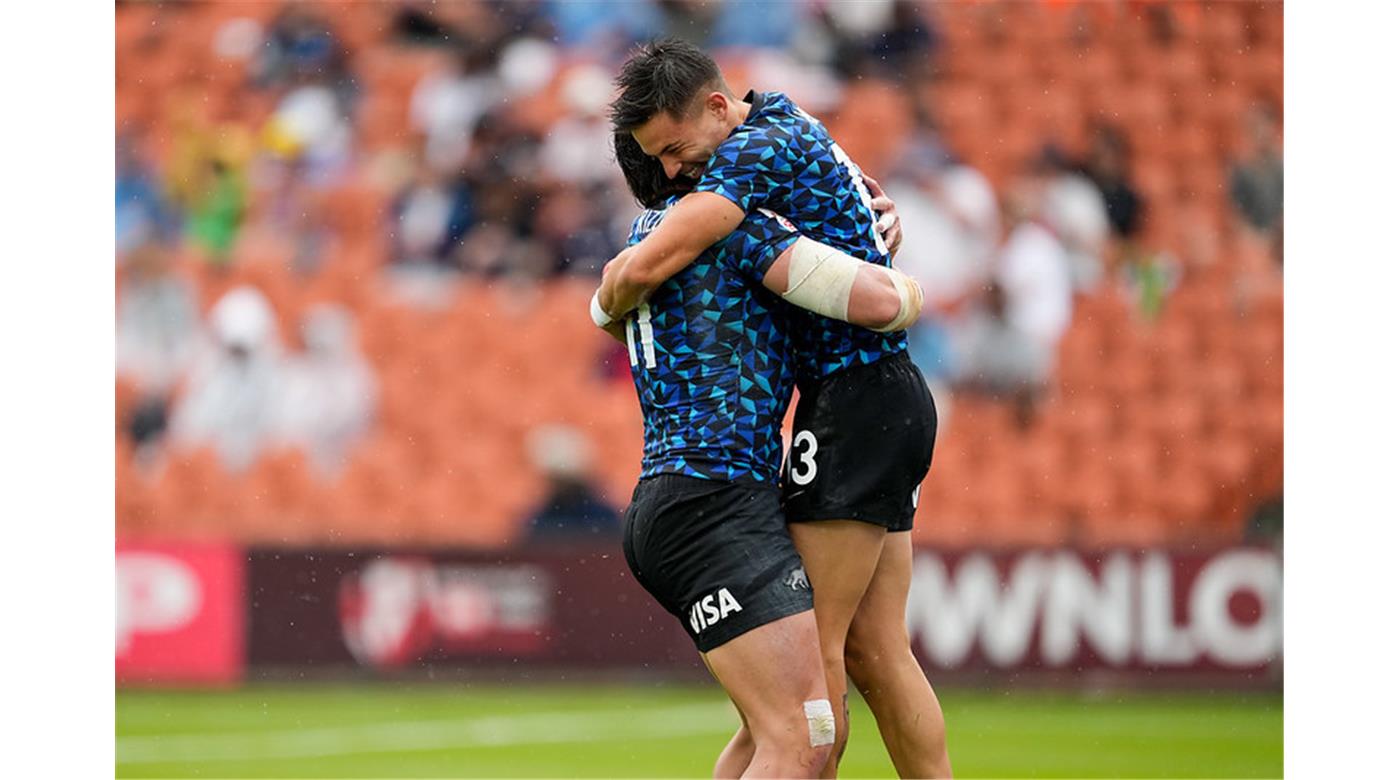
<point>717,104</point>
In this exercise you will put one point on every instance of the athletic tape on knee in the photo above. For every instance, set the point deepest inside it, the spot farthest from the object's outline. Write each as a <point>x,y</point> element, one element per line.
<point>820,278</point>
<point>821,722</point>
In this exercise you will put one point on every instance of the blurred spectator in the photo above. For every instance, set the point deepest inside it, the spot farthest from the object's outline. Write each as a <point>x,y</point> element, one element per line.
<point>526,67</point>
<point>299,48</point>
<point>1001,359</point>
<point>601,26</point>
<point>953,210</point>
<point>577,147</point>
<point>889,37</point>
<point>1256,181</point>
<point>415,22</point>
<point>157,322</point>
<point>328,392</point>
<point>430,219</point>
<point>230,401</point>
<point>1107,168</point>
<point>571,508</point>
<point>487,24</point>
<point>143,215</point>
<point>574,228</point>
<point>689,20</point>
<point>1074,208</point>
<point>756,24</point>
<point>207,177</point>
<point>1148,278</point>
<point>217,212</point>
<point>311,129</point>
<point>447,105</point>
<point>1033,271</point>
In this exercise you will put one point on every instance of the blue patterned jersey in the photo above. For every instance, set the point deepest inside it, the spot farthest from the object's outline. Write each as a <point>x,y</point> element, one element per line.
<point>711,359</point>
<point>782,159</point>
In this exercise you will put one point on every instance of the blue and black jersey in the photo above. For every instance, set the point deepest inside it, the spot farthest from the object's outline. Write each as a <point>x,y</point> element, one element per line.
<point>782,159</point>
<point>711,358</point>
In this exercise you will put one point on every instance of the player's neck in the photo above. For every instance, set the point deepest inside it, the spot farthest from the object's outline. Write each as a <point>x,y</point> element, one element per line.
<point>738,112</point>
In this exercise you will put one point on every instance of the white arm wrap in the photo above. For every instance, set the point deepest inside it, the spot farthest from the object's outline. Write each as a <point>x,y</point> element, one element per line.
<point>911,301</point>
<point>595,309</point>
<point>820,278</point>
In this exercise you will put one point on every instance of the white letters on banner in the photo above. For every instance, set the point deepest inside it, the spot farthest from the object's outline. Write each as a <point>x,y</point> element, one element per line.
<point>155,593</point>
<point>1126,611</point>
<point>1100,610</point>
<point>1223,638</point>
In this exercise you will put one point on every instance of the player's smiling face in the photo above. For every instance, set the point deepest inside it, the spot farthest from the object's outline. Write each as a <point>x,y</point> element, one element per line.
<point>684,146</point>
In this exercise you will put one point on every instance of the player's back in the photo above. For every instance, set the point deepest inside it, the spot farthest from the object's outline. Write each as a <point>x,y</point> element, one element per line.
<point>711,359</point>
<point>783,159</point>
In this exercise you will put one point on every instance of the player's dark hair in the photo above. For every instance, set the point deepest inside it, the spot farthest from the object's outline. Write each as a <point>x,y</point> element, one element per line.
<point>645,177</point>
<point>662,75</point>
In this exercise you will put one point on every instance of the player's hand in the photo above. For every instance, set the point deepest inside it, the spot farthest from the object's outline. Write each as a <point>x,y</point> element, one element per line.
<point>618,330</point>
<point>610,269</point>
<point>888,223</point>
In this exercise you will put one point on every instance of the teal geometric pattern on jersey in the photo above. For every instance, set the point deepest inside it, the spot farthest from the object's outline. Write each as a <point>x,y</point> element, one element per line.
<point>783,159</point>
<point>711,359</point>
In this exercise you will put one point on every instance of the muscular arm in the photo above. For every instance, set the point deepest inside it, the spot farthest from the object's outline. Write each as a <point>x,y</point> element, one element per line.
<point>690,227</point>
<point>877,298</point>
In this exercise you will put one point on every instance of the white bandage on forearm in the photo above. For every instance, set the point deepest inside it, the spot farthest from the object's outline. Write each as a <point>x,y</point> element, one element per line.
<point>821,721</point>
<point>820,278</point>
<point>911,301</point>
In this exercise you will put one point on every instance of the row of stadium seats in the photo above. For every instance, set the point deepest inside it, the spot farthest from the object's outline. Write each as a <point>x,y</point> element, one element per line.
<point>1163,432</point>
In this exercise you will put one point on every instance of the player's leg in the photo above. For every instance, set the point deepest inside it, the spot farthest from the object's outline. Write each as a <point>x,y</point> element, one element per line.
<point>774,674</point>
<point>839,557</point>
<point>736,755</point>
<point>883,668</point>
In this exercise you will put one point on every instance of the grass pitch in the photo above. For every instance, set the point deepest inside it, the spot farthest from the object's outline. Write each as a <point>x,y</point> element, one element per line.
<point>459,730</point>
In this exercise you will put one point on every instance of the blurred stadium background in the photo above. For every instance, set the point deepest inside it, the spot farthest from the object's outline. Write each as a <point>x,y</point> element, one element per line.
<point>371,453</point>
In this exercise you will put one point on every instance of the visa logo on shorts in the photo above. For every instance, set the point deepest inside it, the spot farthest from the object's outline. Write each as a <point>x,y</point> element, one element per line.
<point>712,609</point>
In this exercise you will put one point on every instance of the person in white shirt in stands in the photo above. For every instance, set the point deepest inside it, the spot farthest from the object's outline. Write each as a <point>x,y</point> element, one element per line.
<point>1074,208</point>
<point>1009,341</point>
<point>328,392</point>
<point>230,399</point>
<point>1034,270</point>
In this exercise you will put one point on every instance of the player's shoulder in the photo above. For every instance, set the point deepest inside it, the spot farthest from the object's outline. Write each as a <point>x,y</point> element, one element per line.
<point>647,221</point>
<point>773,117</point>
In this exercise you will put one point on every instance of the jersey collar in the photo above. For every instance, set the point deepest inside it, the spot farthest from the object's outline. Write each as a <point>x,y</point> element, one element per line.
<point>756,101</point>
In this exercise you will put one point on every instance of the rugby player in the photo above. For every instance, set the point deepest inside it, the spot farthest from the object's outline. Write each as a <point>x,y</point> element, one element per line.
<point>865,422</point>
<point>705,531</point>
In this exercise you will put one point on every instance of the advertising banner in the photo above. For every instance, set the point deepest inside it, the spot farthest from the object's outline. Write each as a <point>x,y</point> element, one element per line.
<point>386,610</point>
<point>1134,612</point>
<point>1153,615</point>
<point>180,613</point>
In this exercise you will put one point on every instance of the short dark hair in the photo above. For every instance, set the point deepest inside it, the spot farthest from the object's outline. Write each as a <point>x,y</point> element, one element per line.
<point>662,75</point>
<point>645,177</point>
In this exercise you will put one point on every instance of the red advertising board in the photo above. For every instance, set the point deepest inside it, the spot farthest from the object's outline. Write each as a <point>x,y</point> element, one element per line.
<point>180,613</point>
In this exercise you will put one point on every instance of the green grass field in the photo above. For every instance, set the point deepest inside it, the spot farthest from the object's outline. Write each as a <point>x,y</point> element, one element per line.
<point>458,730</point>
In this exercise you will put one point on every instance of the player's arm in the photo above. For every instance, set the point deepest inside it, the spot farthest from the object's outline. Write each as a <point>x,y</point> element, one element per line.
<point>615,328</point>
<point>690,227</point>
<point>825,280</point>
